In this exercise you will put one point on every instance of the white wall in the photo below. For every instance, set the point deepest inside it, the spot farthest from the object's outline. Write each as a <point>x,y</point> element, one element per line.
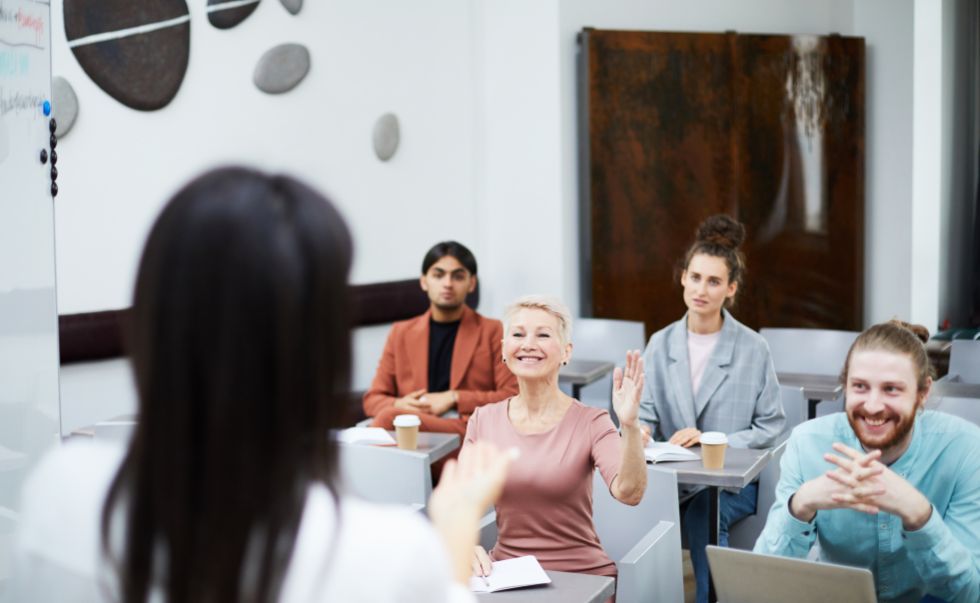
<point>117,166</point>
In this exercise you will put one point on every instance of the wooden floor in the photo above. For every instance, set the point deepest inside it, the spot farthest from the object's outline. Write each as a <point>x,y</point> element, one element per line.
<point>689,586</point>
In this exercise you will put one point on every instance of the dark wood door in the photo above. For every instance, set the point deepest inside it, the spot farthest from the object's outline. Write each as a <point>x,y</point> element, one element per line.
<point>770,129</point>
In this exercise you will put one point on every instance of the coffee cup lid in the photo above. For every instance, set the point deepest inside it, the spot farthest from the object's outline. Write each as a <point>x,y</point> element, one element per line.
<point>407,421</point>
<point>714,438</point>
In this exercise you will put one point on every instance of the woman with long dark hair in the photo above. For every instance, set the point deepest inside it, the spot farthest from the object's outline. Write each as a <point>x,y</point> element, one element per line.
<point>228,490</point>
<point>709,372</point>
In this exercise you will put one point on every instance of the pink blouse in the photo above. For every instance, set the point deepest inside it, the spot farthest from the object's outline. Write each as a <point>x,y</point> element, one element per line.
<point>546,506</point>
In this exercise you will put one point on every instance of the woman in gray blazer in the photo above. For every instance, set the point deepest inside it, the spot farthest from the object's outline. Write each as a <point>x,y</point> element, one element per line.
<point>709,372</point>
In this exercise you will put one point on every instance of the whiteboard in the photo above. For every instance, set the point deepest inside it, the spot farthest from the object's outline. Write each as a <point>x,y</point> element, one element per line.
<point>29,409</point>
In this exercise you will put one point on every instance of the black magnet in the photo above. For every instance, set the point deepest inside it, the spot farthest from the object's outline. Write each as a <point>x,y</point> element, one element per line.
<point>52,125</point>
<point>54,189</point>
<point>54,157</point>
<point>54,142</point>
<point>54,173</point>
<point>44,157</point>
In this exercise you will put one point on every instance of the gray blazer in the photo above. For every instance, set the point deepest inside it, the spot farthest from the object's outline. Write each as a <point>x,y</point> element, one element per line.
<point>739,393</point>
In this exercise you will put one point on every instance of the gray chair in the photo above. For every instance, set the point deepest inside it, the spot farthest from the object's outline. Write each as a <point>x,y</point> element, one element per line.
<point>964,361</point>
<point>645,539</point>
<point>744,533</point>
<point>808,351</point>
<point>604,339</point>
<point>386,474</point>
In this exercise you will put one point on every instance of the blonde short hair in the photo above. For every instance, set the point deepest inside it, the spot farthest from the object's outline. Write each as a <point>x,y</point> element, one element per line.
<point>551,305</point>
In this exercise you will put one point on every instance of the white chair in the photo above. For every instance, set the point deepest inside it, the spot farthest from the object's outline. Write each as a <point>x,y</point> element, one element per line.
<point>964,361</point>
<point>744,533</point>
<point>386,475</point>
<point>809,351</point>
<point>604,339</point>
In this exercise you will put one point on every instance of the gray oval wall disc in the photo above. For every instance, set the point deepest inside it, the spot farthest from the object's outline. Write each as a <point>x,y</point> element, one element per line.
<point>293,6</point>
<point>386,136</point>
<point>64,105</point>
<point>225,14</point>
<point>137,52</point>
<point>281,68</point>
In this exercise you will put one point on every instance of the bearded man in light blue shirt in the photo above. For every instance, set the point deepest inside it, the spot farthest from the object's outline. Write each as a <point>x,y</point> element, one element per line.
<point>904,497</point>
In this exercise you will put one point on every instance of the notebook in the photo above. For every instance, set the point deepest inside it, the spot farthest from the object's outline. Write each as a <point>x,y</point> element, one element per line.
<point>365,435</point>
<point>744,577</point>
<point>659,452</point>
<point>511,573</point>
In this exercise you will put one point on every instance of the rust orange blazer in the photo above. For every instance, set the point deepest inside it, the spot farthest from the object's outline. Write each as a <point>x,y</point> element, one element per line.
<point>477,373</point>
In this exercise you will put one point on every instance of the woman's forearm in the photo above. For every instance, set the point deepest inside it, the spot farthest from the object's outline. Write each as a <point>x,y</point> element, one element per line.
<point>632,479</point>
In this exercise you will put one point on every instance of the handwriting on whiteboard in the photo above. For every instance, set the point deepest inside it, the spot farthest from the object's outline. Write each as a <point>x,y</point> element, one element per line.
<point>17,101</point>
<point>24,26</point>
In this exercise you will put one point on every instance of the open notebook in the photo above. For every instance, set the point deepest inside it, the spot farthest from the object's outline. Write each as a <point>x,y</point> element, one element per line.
<point>365,435</point>
<point>658,452</point>
<point>511,573</point>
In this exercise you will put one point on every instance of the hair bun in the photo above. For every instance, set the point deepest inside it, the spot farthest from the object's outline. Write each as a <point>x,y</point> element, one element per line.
<point>918,330</point>
<point>722,229</point>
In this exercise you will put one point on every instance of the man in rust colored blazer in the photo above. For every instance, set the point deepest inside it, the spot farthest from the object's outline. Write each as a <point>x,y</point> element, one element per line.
<point>446,359</point>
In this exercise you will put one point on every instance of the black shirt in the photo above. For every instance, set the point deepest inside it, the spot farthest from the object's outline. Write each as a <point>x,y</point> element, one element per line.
<point>442,337</point>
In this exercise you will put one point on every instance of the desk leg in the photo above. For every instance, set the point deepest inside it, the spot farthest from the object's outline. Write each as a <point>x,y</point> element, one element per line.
<point>811,411</point>
<point>577,391</point>
<point>714,517</point>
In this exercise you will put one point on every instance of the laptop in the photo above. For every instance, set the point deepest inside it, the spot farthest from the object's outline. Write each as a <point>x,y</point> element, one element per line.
<point>745,577</point>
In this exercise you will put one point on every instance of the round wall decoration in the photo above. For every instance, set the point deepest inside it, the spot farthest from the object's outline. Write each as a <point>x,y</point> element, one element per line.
<point>137,52</point>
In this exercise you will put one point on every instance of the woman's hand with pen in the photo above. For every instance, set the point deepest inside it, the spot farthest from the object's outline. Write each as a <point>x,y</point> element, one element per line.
<point>467,488</point>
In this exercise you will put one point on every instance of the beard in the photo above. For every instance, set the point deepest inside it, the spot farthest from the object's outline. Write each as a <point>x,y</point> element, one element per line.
<point>448,307</point>
<point>900,429</point>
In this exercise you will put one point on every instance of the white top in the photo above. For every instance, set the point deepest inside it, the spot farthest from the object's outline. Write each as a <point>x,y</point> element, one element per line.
<point>383,553</point>
<point>699,348</point>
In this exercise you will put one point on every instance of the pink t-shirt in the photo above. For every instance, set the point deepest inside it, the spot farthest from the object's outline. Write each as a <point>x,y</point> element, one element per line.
<point>546,506</point>
<point>699,348</point>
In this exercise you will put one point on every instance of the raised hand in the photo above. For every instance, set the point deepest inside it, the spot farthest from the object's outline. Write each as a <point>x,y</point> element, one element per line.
<point>627,387</point>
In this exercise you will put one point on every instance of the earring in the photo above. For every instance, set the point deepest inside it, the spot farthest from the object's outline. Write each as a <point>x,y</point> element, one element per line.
<point>564,363</point>
<point>504,360</point>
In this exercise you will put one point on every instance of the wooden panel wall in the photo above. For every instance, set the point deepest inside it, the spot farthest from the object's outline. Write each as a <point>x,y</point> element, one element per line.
<point>767,128</point>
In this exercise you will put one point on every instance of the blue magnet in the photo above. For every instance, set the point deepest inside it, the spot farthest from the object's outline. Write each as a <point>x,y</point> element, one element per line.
<point>46,107</point>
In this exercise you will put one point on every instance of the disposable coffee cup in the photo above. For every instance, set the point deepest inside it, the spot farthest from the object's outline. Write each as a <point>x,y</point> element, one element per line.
<point>407,431</point>
<point>713,445</point>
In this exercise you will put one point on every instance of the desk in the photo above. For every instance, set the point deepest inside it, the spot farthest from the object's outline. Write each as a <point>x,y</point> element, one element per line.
<point>742,466</point>
<point>565,587</point>
<point>436,445</point>
<point>579,373</point>
<point>816,388</point>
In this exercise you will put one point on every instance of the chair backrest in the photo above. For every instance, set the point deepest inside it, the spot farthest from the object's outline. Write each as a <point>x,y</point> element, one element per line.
<point>488,530</point>
<point>743,534</point>
<point>641,574</point>
<point>963,407</point>
<point>809,351</point>
<point>385,474</point>
<point>604,339</point>
<point>634,536</point>
<point>964,360</point>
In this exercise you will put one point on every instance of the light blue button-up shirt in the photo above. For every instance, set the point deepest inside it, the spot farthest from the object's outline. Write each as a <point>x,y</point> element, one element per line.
<point>942,558</point>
